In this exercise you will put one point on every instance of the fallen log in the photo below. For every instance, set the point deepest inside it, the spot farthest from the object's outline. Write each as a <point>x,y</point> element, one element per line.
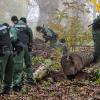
<point>75,62</point>
<point>71,63</point>
<point>42,71</point>
<point>71,66</point>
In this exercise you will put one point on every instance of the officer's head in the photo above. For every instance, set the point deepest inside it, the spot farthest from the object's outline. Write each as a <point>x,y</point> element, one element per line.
<point>62,40</point>
<point>39,29</point>
<point>14,19</point>
<point>23,19</point>
<point>6,24</point>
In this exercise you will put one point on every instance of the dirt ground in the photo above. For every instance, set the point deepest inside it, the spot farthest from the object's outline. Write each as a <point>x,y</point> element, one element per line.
<point>64,89</point>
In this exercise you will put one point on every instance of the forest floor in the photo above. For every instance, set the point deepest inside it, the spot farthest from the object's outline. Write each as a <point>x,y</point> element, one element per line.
<point>63,89</point>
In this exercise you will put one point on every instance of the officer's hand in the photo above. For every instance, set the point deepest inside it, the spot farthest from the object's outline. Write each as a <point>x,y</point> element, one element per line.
<point>30,47</point>
<point>19,49</point>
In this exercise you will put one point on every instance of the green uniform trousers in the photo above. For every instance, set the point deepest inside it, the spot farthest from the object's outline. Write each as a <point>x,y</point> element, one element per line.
<point>53,43</point>
<point>18,69</point>
<point>28,63</point>
<point>6,69</point>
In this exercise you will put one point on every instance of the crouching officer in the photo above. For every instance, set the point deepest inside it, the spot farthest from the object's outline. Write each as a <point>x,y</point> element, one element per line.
<point>48,35</point>
<point>96,38</point>
<point>6,60</point>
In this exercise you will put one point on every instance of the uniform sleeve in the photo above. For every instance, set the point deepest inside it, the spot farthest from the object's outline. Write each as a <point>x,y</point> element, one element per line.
<point>30,35</point>
<point>13,34</point>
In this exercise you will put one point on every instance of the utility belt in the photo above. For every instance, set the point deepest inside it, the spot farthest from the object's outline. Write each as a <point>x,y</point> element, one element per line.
<point>17,49</point>
<point>3,49</point>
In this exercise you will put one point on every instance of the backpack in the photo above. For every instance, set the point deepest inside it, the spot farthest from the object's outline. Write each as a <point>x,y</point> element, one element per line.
<point>22,32</point>
<point>4,36</point>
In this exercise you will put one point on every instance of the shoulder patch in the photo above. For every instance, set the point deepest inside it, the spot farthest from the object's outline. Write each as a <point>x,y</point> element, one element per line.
<point>2,28</point>
<point>20,26</point>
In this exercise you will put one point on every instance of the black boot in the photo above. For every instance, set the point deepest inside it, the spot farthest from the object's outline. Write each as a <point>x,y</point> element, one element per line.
<point>31,82</point>
<point>6,90</point>
<point>17,88</point>
<point>71,77</point>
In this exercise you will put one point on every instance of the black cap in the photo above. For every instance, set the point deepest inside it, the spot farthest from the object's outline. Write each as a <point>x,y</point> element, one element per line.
<point>6,24</point>
<point>38,28</point>
<point>14,18</point>
<point>23,19</point>
<point>62,40</point>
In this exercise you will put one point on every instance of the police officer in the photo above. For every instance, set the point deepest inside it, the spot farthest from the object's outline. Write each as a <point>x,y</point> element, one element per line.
<point>27,38</point>
<point>48,35</point>
<point>96,38</point>
<point>6,60</point>
<point>24,35</point>
<point>18,56</point>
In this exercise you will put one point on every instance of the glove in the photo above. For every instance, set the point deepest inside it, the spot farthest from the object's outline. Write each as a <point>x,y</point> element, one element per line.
<point>30,47</point>
<point>19,48</point>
